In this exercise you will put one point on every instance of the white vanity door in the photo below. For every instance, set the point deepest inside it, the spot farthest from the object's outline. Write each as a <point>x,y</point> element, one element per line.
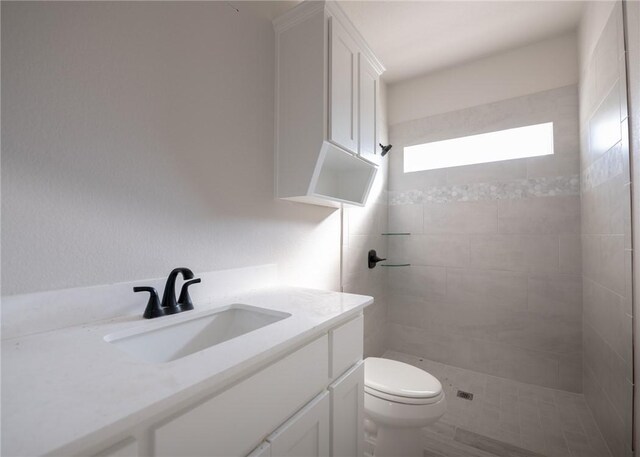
<point>347,406</point>
<point>306,434</point>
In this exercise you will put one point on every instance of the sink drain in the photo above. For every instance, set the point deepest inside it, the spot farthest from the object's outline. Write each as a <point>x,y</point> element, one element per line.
<point>465,395</point>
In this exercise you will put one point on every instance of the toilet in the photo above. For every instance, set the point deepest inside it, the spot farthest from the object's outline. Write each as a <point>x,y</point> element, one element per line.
<point>399,400</point>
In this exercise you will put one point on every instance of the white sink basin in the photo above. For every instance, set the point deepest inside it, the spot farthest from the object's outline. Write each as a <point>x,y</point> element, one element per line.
<point>173,339</point>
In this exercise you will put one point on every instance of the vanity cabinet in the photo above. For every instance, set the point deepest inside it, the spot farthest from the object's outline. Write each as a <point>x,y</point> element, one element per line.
<point>309,402</point>
<point>234,422</point>
<point>326,107</point>
<point>260,378</point>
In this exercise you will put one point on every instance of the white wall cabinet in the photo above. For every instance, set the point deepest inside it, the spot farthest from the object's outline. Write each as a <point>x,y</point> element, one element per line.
<point>368,105</point>
<point>343,120</point>
<point>326,102</point>
<point>308,403</point>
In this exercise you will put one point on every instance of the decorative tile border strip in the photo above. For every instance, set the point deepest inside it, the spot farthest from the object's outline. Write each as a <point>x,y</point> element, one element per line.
<point>512,190</point>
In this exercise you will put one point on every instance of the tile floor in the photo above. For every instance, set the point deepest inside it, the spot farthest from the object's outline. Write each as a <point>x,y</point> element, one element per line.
<point>507,418</point>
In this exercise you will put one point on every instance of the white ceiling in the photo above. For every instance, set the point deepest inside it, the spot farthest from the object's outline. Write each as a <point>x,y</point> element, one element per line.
<point>265,8</point>
<point>416,37</point>
<point>412,38</point>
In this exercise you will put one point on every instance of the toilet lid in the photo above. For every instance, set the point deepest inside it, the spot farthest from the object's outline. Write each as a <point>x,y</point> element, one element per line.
<point>399,379</point>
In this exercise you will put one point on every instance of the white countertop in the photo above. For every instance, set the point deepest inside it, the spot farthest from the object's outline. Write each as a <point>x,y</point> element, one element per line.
<point>65,388</point>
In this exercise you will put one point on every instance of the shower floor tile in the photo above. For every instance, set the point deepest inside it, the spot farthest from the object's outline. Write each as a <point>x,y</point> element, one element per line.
<point>506,418</point>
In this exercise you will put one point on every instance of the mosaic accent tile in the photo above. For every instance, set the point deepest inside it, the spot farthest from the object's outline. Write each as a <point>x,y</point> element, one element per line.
<point>520,188</point>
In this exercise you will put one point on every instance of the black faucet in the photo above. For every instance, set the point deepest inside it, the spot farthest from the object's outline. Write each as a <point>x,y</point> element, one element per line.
<point>169,304</point>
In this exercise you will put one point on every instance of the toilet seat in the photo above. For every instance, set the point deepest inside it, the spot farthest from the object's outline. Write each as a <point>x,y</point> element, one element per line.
<point>401,415</point>
<point>403,400</point>
<point>400,382</point>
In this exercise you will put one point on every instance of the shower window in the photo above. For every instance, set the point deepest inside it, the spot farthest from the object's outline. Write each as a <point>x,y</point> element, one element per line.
<point>517,143</point>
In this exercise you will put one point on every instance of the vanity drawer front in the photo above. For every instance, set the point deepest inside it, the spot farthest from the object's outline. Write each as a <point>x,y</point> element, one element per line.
<point>238,419</point>
<point>347,343</point>
<point>305,434</point>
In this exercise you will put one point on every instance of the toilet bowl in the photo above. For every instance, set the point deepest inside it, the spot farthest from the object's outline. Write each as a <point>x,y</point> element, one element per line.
<point>399,400</point>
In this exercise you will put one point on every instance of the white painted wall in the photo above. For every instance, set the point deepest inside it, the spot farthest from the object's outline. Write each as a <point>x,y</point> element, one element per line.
<point>138,137</point>
<point>534,68</point>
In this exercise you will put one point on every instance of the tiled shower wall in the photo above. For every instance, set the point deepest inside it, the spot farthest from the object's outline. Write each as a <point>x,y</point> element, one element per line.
<point>362,230</point>
<point>606,231</point>
<point>495,278</point>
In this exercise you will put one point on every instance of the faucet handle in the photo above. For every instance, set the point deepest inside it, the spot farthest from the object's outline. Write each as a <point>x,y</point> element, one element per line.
<point>184,302</point>
<point>153,308</point>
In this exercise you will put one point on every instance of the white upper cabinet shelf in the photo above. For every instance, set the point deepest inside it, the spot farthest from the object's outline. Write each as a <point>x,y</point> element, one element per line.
<point>327,81</point>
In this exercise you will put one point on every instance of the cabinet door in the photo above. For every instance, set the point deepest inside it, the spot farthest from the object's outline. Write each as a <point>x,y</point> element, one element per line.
<point>343,101</point>
<point>368,106</point>
<point>347,417</point>
<point>306,434</point>
<point>235,421</point>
